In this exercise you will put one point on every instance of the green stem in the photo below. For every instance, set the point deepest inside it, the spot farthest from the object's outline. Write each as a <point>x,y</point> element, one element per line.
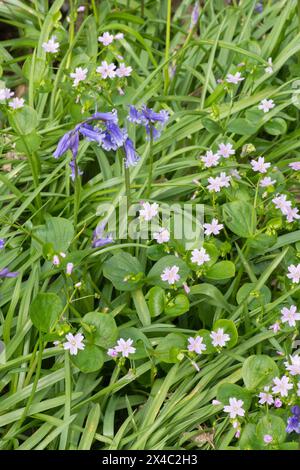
<point>71,32</point>
<point>68,394</point>
<point>142,8</point>
<point>167,49</point>
<point>127,187</point>
<point>150,171</point>
<point>35,383</point>
<point>77,195</point>
<point>95,11</point>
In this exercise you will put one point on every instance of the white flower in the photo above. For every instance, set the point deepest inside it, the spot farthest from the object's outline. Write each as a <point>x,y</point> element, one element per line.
<point>266,181</point>
<point>170,275</point>
<point>294,367</point>
<point>235,79</point>
<point>123,71</point>
<point>74,343</point>
<point>210,159</point>
<point>119,36</point>
<point>266,397</point>
<point>235,408</point>
<point>112,352</point>
<point>106,39</point>
<point>294,165</point>
<point>281,203</point>
<point>79,75</point>
<point>292,214</point>
<point>213,228</point>
<point>298,390</point>
<point>196,345</point>
<point>162,236</point>
<point>235,174</point>
<point>269,68</point>
<point>149,211</point>
<point>265,105</point>
<point>106,70</point>
<point>16,103</point>
<point>56,260</point>
<point>275,327</point>
<point>215,184</point>
<point>290,315</point>
<point>124,347</point>
<point>260,165</point>
<point>200,256</point>
<point>5,94</point>
<point>69,268</point>
<point>80,8</point>
<point>294,273</point>
<point>216,402</point>
<point>282,386</point>
<point>225,150</point>
<point>219,338</point>
<point>225,180</point>
<point>51,46</point>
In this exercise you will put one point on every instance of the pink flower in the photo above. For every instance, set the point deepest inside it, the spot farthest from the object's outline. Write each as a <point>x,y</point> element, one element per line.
<point>294,273</point>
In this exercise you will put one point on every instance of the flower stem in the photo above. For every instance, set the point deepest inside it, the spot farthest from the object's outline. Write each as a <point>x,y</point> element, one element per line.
<point>77,195</point>
<point>150,172</point>
<point>127,187</point>
<point>167,49</point>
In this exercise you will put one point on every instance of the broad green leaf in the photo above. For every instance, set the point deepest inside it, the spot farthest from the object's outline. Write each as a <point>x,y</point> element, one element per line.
<point>104,329</point>
<point>220,271</point>
<point>45,311</point>
<point>240,218</point>
<point>90,359</point>
<point>154,275</point>
<point>258,371</point>
<point>124,271</point>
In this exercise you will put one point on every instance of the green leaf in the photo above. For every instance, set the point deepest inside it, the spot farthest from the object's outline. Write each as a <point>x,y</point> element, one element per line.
<point>45,311</point>
<point>156,301</point>
<point>240,218</point>
<point>140,342</point>
<point>221,270</point>
<point>261,297</point>
<point>177,306</point>
<point>228,390</point>
<point>276,126</point>
<point>57,232</point>
<point>24,120</point>
<point>154,276</point>
<point>272,425</point>
<point>124,271</point>
<point>104,329</point>
<point>258,371</point>
<point>90,359</point>
<point>242,126</point>
<point>212,295</point>
<point>169,347</point>
<point>249,439</point>
<point>30,142</point>
<point>229,327</point>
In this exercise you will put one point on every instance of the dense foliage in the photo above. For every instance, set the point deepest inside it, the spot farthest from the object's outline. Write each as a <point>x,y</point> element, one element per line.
<point>119,331</point>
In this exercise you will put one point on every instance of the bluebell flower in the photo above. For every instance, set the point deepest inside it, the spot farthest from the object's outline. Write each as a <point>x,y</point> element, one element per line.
<point>99,239</point>
<point>117,135</point>
<point>152,117</point>
<point>72,165</point>
<point>259,7</point>
<point>5,272</point>
<point>106,117</point>
<point>69,141</point>
<point>2,243</point>
<point>132,157</point>
<point>107,142</point>
<point>135,115</point>
<point>148,118</point>
<point>293,422</point>
<point>195,14</point>
<point>92,133</point>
